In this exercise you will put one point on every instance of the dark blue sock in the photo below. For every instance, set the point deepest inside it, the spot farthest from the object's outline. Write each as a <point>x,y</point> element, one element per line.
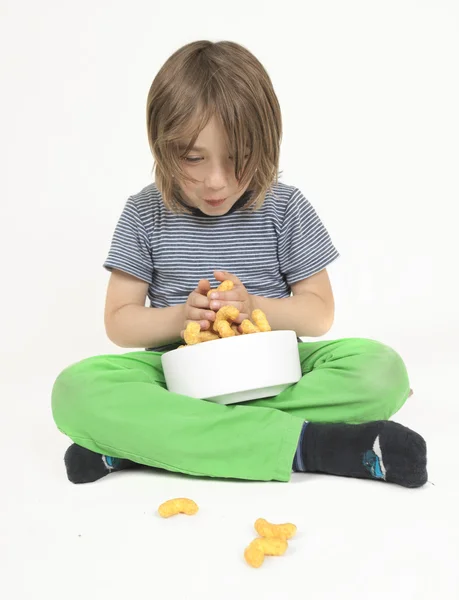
<point>84,466</point>
<point>381,450</point>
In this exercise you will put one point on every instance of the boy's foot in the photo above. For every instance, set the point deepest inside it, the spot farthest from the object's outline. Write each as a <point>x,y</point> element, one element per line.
<point>84,466</point>
<point>378,450</point>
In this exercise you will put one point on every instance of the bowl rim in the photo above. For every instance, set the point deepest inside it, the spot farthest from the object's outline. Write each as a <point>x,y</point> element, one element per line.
<point>231,339</point>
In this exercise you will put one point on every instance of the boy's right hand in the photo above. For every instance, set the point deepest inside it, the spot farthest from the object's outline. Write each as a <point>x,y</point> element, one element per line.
<point>197,307</point>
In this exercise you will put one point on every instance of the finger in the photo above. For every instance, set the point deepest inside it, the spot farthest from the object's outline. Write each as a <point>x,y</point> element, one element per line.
<point>203,286</point>
<point>215,305</point>
<point>223,275</point>
<point>197,314</point>
<point>198,300</point>
<point>205,325</point>
<point>231,296</point>
<point>240,318</point>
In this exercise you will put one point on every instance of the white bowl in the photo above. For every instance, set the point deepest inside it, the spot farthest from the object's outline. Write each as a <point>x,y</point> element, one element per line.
<point>235,369</point>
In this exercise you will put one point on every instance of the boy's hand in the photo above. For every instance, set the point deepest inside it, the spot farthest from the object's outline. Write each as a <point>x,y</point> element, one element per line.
<point>197,307</point>
<point>238,296</point>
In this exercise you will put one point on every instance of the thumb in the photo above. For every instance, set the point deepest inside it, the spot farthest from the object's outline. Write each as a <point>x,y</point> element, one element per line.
<point>203,286</point>
<point>224,275</point>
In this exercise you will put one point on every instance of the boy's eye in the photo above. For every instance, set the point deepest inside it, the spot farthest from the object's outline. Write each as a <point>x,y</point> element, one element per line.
<point>195,159</point>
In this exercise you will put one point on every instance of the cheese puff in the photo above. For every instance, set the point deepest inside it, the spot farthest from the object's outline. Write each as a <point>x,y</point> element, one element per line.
<point>260,547</point>
<point>226,313</point>
<point>260,320</point>
<point>194,335</point>
<point>208,336</point>
<point>248,327</point>
<point>266,529</point>
<point>224,329</point>
<point>254,556</point>
<point>176,506</point>
<point>225,286</point>
<point>192,331</point>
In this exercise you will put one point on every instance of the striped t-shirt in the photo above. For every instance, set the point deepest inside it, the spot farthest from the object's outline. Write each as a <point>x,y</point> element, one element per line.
<point>269,249</point>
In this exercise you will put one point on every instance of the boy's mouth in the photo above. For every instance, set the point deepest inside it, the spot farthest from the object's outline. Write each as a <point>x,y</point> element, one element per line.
<point>215,202</point>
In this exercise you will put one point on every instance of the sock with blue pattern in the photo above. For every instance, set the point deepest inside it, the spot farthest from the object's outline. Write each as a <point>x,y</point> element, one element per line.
<point>84,466</point>
<point>381,450</point>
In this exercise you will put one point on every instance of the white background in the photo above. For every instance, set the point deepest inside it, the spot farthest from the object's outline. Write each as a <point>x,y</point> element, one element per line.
<point>369,95</point>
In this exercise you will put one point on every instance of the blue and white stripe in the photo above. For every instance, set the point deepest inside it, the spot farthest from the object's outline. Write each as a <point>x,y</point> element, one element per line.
<point>269,250</point>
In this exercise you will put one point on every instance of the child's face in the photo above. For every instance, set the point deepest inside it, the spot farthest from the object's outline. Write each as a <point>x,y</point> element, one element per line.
<point>213,168</point>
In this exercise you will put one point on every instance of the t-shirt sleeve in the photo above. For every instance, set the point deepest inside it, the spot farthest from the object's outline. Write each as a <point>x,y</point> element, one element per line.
<point>130,248</point>
<point>304,245</point>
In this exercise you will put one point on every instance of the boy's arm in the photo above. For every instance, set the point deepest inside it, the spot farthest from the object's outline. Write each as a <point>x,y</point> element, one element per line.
<point>130,324</point>
<point>309,312</point>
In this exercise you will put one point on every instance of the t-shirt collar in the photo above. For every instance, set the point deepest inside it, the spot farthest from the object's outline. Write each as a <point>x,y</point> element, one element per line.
<point>241,202</point>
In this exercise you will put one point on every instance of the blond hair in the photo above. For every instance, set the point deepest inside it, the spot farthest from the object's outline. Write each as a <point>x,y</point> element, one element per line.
<point>205,79</point>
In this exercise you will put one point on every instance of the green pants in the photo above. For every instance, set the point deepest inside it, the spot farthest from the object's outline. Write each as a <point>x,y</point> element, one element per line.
<point>118,405</point>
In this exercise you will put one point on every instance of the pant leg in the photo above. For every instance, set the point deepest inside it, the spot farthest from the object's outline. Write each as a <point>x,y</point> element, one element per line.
<point>119,405</point>
<point>351,380</point>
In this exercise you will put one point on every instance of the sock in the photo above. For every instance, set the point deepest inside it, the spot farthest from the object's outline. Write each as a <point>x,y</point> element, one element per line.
<point>381,450</point>
<point>84,466</point>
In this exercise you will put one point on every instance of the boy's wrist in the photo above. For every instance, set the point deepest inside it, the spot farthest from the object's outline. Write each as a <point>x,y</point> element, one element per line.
<point>182,322</point>
<point>254,303</point>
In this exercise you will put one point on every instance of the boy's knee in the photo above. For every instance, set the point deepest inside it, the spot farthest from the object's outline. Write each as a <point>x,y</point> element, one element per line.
<point>385,377</point>
<point>68,390</point>
<point>71,376</point>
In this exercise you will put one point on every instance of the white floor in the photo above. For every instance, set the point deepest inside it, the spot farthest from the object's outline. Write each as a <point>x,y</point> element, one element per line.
<point>357,539</point>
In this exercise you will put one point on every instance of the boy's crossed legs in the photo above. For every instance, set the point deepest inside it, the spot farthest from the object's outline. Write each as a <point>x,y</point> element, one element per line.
<point>118,411</point>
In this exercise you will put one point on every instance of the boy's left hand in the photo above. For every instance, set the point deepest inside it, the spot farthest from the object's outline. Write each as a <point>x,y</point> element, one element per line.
<point>238,296</point>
